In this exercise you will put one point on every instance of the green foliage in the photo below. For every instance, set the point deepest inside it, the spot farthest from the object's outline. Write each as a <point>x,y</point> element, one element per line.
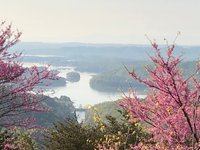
<point>17,139</point>
<point>116,126</point>
<point>69,135</point>
<point>60,108</point>
<point>25,140</point>
<point>118,77</point>
<point>4,134</point>
<point>120,134</point>
<point>104,109</point>
<point>125,131</point>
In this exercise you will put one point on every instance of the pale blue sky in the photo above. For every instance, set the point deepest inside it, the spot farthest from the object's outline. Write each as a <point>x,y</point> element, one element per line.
<point>104,21</point>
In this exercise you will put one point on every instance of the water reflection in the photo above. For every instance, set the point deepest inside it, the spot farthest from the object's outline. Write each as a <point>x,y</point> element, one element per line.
<point>80,92</point>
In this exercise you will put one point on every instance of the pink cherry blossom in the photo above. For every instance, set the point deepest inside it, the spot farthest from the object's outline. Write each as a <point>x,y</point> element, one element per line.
<point>170,109</point>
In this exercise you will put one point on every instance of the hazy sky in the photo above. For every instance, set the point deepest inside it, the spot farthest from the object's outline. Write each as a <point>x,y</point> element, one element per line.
<point>104,21</point>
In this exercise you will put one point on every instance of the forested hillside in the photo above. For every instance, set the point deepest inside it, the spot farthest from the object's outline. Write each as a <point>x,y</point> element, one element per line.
<point>118,79</point>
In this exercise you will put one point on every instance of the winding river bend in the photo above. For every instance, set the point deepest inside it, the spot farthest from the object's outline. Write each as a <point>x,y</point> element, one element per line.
<point>80,92</point>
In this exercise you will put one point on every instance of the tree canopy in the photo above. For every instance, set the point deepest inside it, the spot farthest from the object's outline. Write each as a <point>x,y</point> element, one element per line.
<point>171,109</point>
<point>18,94</point>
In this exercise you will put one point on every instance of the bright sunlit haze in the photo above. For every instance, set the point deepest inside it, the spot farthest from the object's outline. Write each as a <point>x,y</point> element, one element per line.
<point>104,21</point>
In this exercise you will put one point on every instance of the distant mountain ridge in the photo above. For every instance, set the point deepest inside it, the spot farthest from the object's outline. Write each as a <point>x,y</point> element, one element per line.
<point>126,51</point>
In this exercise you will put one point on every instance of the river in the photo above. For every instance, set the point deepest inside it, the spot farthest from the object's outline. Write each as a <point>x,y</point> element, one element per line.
<point>80,92</point>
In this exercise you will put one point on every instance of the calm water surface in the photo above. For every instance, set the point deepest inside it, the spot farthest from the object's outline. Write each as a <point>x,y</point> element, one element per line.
<point>80,92</point>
